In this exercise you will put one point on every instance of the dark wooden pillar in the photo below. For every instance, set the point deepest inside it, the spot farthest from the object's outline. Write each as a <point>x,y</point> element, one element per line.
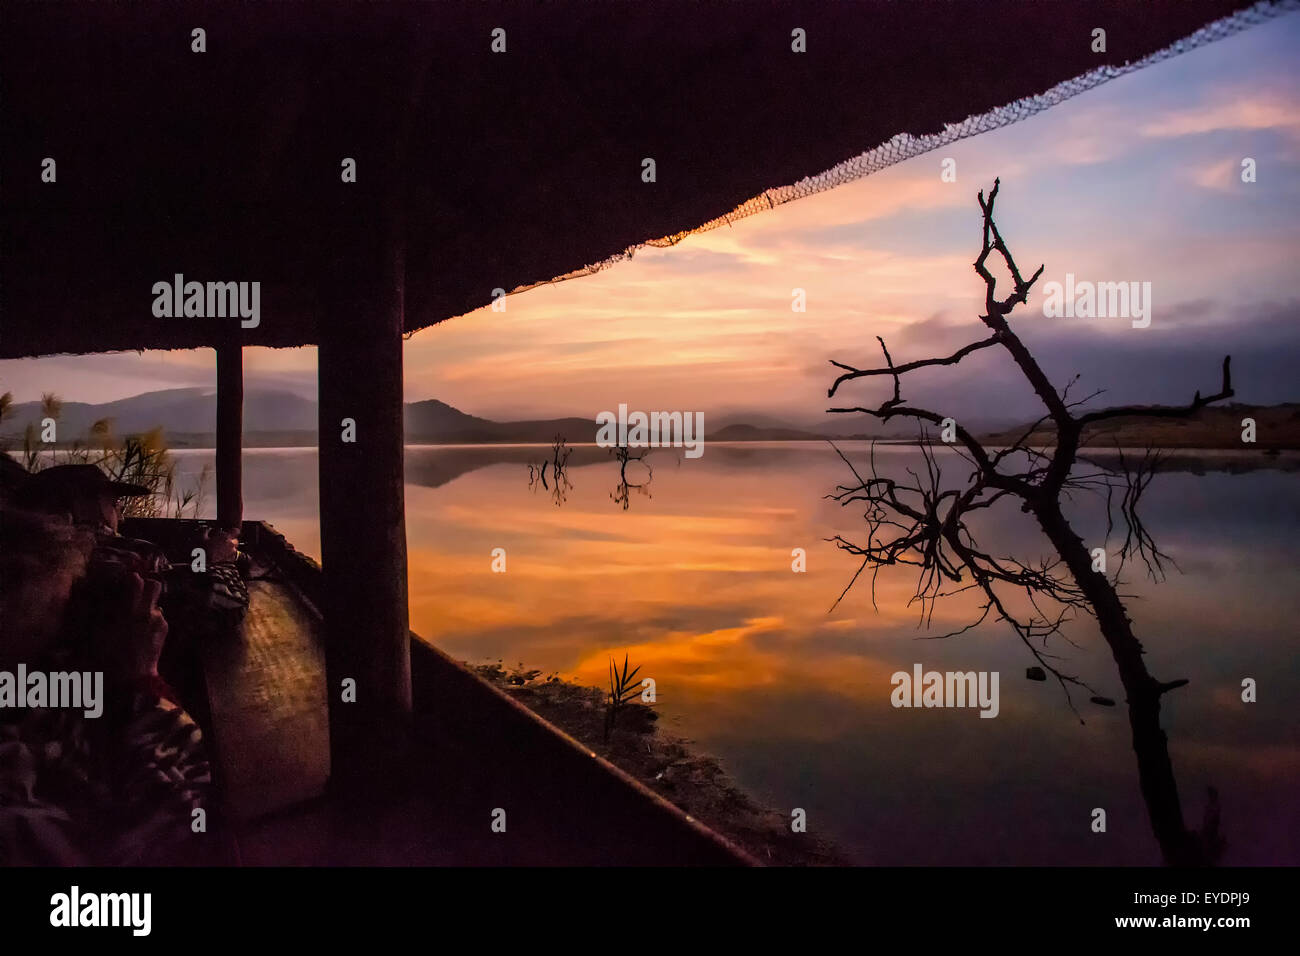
<point>230,428</point>
<point>363,522</point>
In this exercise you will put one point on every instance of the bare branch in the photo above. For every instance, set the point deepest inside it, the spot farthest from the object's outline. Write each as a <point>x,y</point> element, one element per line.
<point>1181,411</point>
<point>915,521</point>
<point>853,373</point>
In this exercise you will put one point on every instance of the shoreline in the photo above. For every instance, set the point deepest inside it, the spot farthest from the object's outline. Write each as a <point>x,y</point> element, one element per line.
<point>668,764</point>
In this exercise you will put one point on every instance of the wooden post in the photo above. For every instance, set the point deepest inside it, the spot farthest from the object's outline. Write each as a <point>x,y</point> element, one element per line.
<point>363,523</point>
<point>230,427</point>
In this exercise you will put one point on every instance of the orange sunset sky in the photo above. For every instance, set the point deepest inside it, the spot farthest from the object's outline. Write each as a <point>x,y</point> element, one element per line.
<point>1136,180</point>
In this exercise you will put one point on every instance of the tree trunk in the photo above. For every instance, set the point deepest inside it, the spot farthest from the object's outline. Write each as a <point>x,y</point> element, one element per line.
<point>1180,846</point>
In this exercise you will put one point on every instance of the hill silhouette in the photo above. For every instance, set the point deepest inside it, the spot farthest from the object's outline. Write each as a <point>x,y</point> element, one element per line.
<point>275,417</point>
<point>1218,426</point>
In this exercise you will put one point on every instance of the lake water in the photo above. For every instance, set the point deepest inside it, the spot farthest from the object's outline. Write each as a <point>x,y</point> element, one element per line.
<point>693,580</point>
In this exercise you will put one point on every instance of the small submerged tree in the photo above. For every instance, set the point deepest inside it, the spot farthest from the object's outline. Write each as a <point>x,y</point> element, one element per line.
<point>559,485</point>
<point>621,495</point>
<point>919,522</point>
<point>552,474</point>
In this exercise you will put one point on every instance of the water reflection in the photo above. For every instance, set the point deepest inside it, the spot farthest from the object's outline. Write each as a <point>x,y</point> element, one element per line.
<point>559,486</point>
<point>696,585</point>
<point>642,474</point>
<point>550,473</point>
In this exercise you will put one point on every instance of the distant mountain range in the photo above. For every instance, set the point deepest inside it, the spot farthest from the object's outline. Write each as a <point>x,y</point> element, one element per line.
<point>177,410</point>
<point>281,418</point>
<point>273,417</point>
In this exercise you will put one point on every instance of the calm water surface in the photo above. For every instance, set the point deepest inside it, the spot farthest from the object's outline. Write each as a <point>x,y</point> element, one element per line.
<point>693,580</point>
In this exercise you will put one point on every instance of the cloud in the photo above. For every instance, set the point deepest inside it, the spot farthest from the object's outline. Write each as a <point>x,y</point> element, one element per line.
<point>1223,175</point>
<point>1119,183</point>
<point>1229,110</point>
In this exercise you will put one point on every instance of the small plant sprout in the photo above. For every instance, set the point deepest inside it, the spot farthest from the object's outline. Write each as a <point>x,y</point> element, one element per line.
<point>623,688</point>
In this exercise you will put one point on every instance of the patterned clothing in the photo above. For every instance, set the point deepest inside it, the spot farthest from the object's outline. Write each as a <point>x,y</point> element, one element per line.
<point>119,789</point>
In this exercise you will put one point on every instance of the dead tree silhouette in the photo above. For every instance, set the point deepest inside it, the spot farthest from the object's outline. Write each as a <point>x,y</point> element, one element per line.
<point>924,525</point>
<point>560,485</point>
<point>621,495</point>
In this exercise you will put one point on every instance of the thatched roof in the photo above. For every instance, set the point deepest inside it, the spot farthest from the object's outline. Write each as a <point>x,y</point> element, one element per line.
<point>505,169</point>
